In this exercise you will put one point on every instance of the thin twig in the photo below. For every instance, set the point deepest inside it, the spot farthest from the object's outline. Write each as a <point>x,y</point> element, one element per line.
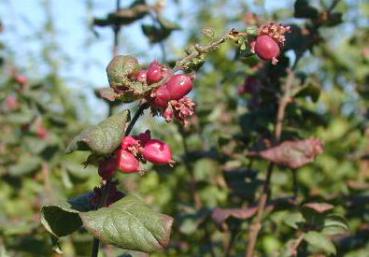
<point>138,113</point>
<point>296,244</point>
<point>193,183</point>
<point>255,227</point>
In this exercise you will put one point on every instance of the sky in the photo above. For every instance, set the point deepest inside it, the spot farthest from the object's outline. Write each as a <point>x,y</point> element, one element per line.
<point>83,57</point>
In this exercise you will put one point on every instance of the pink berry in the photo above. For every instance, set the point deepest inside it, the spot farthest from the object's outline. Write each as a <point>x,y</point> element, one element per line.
<point>128,141</point>
<point>127,162</point>
<point>21,79</point>
<point>157,152</point>
<point>266,48</point>
<point>11,102</point>
<point>162,97</point>
<point>41,132</point>
<point>107,168</point>
<point>178,86</point>
<point>155,72</point>
<point>142,76</point>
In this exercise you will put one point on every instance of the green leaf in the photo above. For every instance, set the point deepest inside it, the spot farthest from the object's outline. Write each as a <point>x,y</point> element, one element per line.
<point>101,139</point>
<point>311,90</point>
<point>334,224</point>
<point>60,220</point>
<point>304,10</point>
<point>320,242</point>
<point>294,219</point>
<point>25,165</point>
<point>129,224</point>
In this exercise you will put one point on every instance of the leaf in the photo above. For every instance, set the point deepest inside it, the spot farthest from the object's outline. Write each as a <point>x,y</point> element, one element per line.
<point>320,242</point>
<point>334,224</point>
<point>60,220</point>
<point>319,207</point>
<point>25,165</point>
<point>304,10</point>
<point>129,224</point>
<point>103,138</point>
<point>311,90</point>
<point>220,215</point>
<point>292,154</point>
<point>294,219</point>
<point>107,93</point>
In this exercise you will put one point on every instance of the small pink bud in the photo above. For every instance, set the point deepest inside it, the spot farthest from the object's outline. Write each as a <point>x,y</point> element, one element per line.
<point>179,85</point>
<point>157,152</point>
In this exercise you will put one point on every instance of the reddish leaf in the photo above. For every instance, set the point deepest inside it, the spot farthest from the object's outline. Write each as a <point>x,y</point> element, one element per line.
<point>293,154</point>
<point>220,215</point>
<point>319,207</point>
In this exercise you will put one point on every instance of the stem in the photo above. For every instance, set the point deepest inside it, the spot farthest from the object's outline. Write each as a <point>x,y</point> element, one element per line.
<point>193,183</point>
<point>230,244</point>
<point>256,225</point>
<point>199,50</point>
<point>138,113</point>
<point>296,244</point>
<point>95,247</point>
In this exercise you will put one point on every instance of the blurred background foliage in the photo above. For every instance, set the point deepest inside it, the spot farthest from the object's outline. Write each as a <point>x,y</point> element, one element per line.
<point>42,108</point>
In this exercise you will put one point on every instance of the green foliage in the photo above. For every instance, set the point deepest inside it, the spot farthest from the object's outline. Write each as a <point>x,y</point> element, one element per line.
<point>103,138</point>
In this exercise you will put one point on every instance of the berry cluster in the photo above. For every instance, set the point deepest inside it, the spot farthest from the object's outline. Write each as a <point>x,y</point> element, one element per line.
<point>132,150</point>
<point>269,42</point>
<point>169,100</point>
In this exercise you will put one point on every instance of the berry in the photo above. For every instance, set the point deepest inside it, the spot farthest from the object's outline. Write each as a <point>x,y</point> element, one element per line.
<point>11,102</point>
<point>162,97</point>
<point>266,48</point>
<point>157,152</point>
<point>141,76</point>
<point>178,86</point>
<point>107,168</point>
<point>41,132</point>
<point>127,162</point>
<point>21,79</point>
<point>155,72</point>
<point>128,142</point>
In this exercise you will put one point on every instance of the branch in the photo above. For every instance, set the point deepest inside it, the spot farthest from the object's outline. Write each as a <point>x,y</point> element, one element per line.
<point>256,225</point>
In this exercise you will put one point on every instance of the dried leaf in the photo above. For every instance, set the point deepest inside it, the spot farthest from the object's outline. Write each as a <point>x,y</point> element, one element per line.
<point>292,154</point>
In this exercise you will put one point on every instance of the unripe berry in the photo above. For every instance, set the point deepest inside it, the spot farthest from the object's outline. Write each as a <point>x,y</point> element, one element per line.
<point>266,47</point>
<point>107,168</point>
<point>127,162</point>
<point>155,72</point>
<point>157,152</point>
<point>162,97</point>
<point>142,76</point>
<point>179,85</point>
